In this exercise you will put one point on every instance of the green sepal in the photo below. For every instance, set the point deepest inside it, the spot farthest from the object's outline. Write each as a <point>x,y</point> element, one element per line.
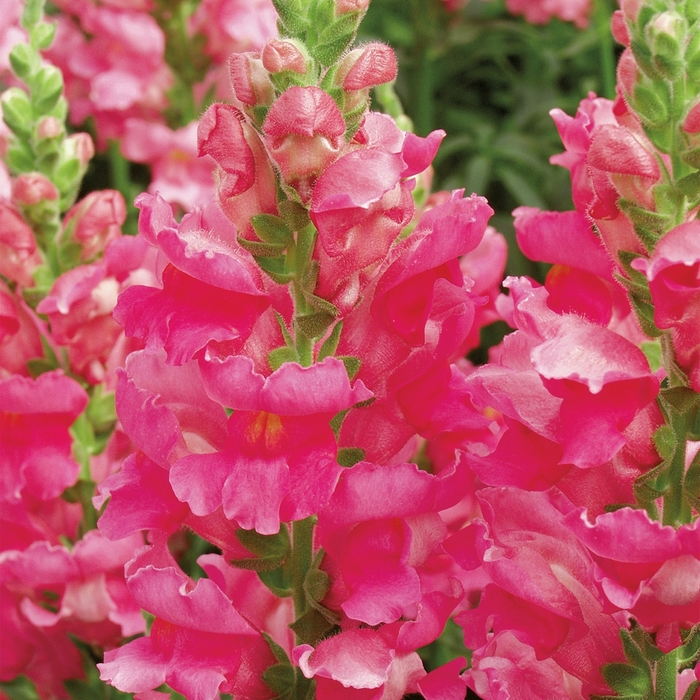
<point>271,550</point>
<point>281,679</point>
<point>47,86</point>
<point>336,38</point>
<point>283,329</point>
<point>101,411</point>
<point>19,157</point>
<point>294,214</point>
<point>292,20</point>
<point>689,652</point>
<point>315,324</point>
<point>643,58</point>
<point>628,681</point>
<point>350,456</point>
<point>645,316</point>
<point>17,111</point>
<point>311,627</point>
<point>316,585</point>
<point>277,582</point>
<point>279,653</point>
<point>337,421</point>
<point>259,114</point>
<point>330,344</point>
<point>650,107</point>
<point>20,688</point>
<point>33,12</point>
<point>321,14</point>
<point>262,250</point>
<point>670,68</point>
<point>650,219</point>
<point>41,35</point>
<point>279,356</point>
<point>272,229</point>
<point>691,157</point>
<point>652,351</point>
<point>669,201</point>
<point>352,364</point>
<point>690,693</point>
<point>67,175</point>
<point>664,439</point>
<point>275,269</point>
<point>690,186</point>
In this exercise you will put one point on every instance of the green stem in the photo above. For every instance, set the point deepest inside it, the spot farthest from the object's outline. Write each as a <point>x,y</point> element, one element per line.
<point>302,556</point>
<point>306,240</point>
<point>607,48</point>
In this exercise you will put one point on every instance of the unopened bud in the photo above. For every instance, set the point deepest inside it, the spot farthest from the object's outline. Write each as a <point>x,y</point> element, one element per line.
<point>96,220</point>
<point>283,55</point>
<point>249,79</point>
<point>366,67</point>
<point>691,125</point>
<point>619,28</point>
<point>49,128</point>
<point>81,147</point>
<point>343,6</point>
<point>33,188</point>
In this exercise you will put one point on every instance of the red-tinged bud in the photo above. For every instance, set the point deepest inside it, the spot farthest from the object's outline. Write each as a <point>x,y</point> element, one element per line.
<point>220,135</point>
<point>283,55</point>
<point>367,67</point>
<point>619,28</point>
<point>249,79</point>
<point>615,149</point>
<point>691,125</point>
<point>18,250</point>
<point>627,72</point>
<point>304,133</point>
<point>630,9</point>
<point>95,221</point>
<point>82,147</point>
<point>343,6</point>
<point>32,188</point>
<point>49,128</point>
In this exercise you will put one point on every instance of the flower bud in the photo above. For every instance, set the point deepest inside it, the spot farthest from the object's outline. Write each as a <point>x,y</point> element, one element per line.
<point>95,221</point>
<point>250,81</point>
<point>343,6</point>
<point>32,188</point>
<point>304,133</point>
<point>619,28</point>
<point>691,125</point>
<point>367,67</point>
<point>49,128</point>
<point>284,55</point>
<point>81,147</point>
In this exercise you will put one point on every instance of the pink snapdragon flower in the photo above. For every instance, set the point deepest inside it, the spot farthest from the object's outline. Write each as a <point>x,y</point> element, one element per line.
<point>279,461</point>
<point>542,11</point>
<point>673,272</point>
<point>199,643</point>
<point>36,445</point>
<point>177,173</point>
<point>20,334</point>
<point>19,254</point>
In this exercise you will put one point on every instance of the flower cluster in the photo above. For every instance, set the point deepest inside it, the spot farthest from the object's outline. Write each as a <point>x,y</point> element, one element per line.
<point>301,481</point>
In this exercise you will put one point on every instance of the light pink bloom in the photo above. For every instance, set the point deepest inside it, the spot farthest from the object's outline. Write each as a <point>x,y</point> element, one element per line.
<point>542,11</point>
<point>19,255</point>
<point>178,175</point>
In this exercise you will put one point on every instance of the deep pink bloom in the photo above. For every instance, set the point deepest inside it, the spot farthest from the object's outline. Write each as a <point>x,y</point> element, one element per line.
<point>542,590</point>
<point>199,643</point>
<point>20,334</point>
<point>211,288</point>
<point>673,272</point>
<point>35,416</point>
<point>279,462</point>
<point>643,567</point>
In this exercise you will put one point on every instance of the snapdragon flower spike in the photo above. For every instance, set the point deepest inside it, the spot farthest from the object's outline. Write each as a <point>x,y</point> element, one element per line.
<point>304,133</point>
<point>279,463</point>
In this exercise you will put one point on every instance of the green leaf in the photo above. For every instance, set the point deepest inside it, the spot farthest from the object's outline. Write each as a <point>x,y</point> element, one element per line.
<point>25,61</point>
<point>272,229</point>
<point>275,269</point>
<point>690,186</point>
<point>33,12</point>
<point>316,585</point>
<point>277,582</point>
<point>650,107</point>
<point>314,325</point>
<point>279,356</point>
<point>294,214</point>
<point>265,250</point>
<point>352,365</point>
<point>21,688</point>
<point>292,18</point>
<point>330,344</point>
<point>280,678</point>
<point>47,86</point>
<point>652,351</point>
<point>270,550</point>
<point>691,157</point>
<point>41,35</point>
<point>350,456</point>
<point>336,38</point>
<point>311,627</point>
<point>627,680</point>
<point>67,175</point>
<point>17,111</point>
